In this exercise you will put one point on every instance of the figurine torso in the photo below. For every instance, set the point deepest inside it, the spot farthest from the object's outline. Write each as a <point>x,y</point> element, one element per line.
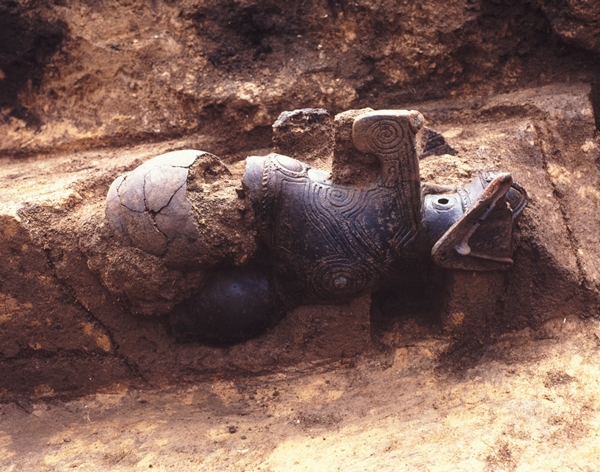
<point>328,242</point>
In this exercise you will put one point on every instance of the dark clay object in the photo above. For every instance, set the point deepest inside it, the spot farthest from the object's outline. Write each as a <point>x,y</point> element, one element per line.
<point>332,243</point>
<point>236,305</point>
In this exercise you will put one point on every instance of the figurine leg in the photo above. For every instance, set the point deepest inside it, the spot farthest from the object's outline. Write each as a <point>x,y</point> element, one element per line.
<point>236,305</point>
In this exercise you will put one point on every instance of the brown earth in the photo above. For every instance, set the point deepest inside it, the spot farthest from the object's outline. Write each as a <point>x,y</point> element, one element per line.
<point>461,371</point>
<point>531,403</point>
<point>81,73</point>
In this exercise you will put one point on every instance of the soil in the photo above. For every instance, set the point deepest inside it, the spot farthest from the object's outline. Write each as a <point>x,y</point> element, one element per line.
<point>117,73</point>
<point>452,370</point>
<point>532,403</point>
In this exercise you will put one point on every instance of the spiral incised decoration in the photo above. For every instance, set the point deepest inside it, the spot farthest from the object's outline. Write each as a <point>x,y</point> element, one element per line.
<point>384,136</point>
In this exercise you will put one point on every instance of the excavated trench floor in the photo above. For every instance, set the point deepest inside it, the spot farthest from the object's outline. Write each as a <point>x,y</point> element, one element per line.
<point>532,403</point>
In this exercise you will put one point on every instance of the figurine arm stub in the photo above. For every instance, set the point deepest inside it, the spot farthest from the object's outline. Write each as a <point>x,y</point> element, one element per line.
<point>390,135</point>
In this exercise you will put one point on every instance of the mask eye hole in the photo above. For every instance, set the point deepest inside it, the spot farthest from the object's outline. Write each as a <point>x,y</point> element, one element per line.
<point>443,202</point>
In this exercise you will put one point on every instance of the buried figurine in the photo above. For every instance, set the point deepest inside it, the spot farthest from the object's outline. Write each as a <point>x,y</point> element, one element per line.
<point>311,240</point>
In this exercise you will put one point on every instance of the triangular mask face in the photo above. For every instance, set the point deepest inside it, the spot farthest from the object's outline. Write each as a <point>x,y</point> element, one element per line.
<point>481,238</point>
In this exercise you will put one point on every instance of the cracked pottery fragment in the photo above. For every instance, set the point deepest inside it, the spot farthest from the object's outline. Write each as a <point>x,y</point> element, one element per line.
<point>182,207</point>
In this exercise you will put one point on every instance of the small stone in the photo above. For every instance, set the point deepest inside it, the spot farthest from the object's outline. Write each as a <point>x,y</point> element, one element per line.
<point>432,143</point>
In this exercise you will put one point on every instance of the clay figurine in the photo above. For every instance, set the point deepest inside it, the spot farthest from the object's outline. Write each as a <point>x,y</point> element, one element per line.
<point>316,241</point>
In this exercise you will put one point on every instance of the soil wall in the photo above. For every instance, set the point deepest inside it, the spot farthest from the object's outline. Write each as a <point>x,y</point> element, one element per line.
<point>78,74</point>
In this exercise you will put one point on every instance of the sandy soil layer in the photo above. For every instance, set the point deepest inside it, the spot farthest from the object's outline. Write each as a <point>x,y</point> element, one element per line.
<point>79,74</point>
<point>531,403</point>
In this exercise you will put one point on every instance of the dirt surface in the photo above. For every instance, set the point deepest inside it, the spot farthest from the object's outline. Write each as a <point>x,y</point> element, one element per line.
<point>532,403</point>
<point>450,371</point>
